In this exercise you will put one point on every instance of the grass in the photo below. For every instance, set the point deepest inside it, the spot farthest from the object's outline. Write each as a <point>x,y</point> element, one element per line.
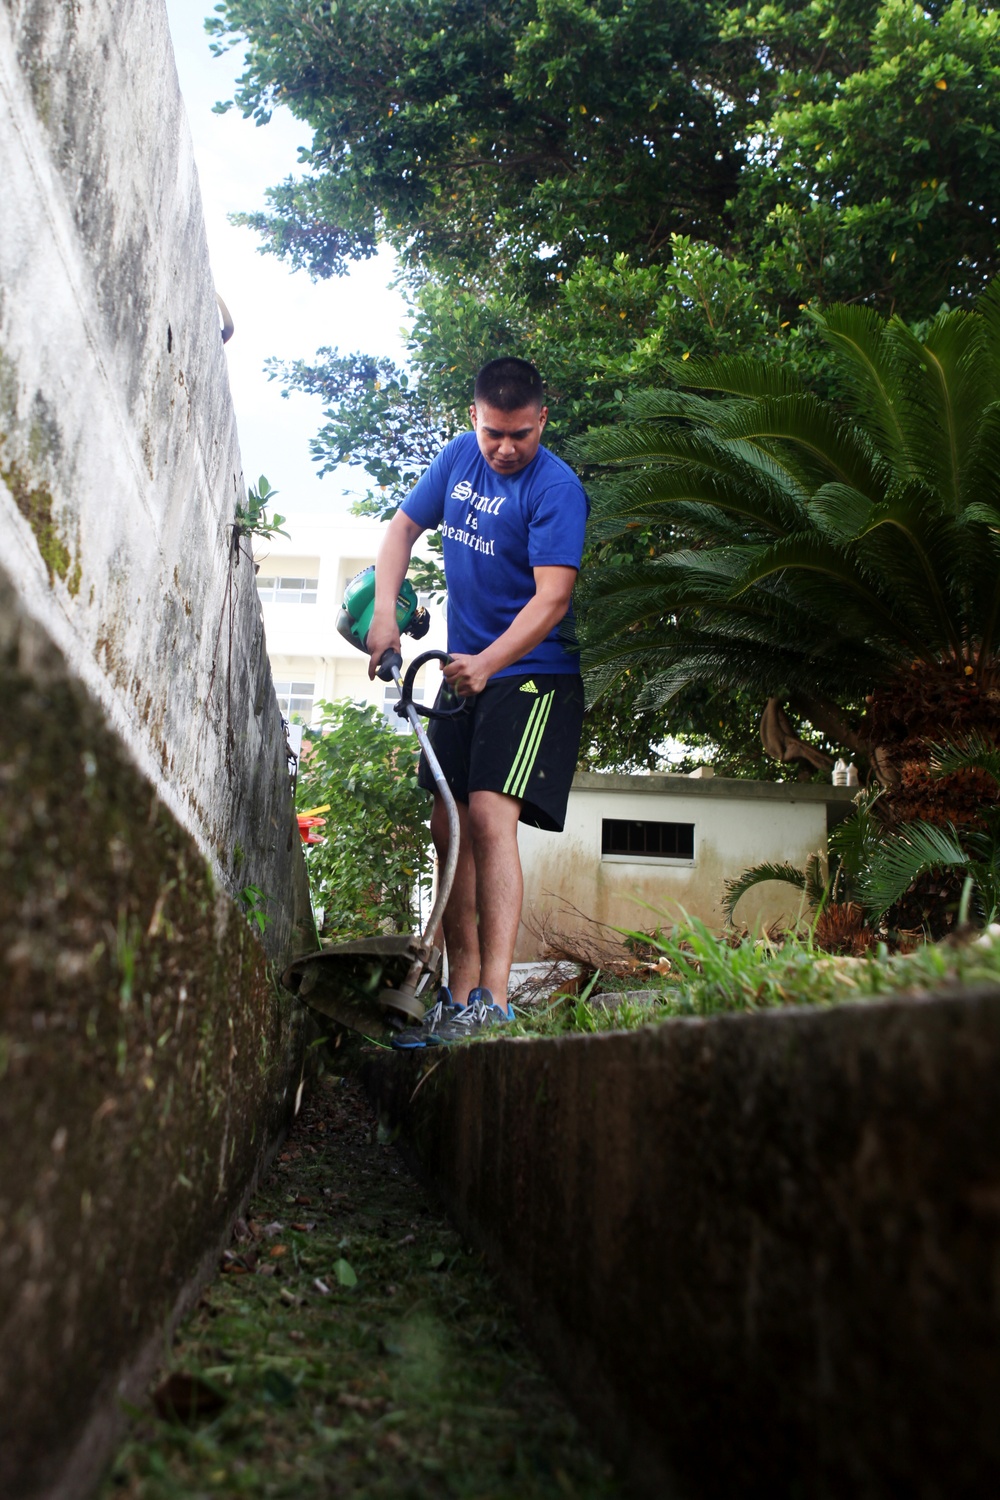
<point>352,1346</point>
<point>705,974</point>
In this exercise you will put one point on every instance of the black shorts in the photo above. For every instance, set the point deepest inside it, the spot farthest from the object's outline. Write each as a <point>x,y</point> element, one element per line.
<point>519,736</point>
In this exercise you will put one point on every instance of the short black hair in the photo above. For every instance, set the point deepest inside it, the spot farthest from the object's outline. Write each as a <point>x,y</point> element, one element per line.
<point>508,384</point>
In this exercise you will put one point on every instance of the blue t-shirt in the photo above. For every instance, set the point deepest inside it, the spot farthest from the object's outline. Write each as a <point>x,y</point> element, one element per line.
<point>495,528</point>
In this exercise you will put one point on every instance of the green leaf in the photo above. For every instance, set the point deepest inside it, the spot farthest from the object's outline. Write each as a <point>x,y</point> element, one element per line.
<point>344,1273</point>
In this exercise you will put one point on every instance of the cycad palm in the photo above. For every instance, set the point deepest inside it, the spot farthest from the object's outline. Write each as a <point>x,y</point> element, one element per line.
<point>812,555</point>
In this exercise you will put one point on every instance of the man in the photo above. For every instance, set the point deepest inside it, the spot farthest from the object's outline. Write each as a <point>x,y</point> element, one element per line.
<point>512,518</point>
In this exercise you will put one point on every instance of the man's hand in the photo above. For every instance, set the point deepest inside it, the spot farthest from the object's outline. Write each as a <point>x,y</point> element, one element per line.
<point>531,624</point>
<point>383,636</point>
<point>467,674</point>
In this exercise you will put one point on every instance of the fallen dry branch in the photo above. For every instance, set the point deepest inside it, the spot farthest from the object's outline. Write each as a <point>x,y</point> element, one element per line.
<point>570,936</point>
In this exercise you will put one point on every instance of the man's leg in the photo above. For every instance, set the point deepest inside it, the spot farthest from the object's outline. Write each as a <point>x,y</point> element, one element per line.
<point>461,934</point>
<point>499,887</point>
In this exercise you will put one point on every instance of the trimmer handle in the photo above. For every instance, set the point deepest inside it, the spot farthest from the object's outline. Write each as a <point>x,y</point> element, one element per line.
<point>390,660</point>
<point>406,690</point>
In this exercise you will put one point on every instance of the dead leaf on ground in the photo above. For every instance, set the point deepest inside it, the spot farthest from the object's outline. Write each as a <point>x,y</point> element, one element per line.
<point>364,1404</point>
<point>238,1265</point>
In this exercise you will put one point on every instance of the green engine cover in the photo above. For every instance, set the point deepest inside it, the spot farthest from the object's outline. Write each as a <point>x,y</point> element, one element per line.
<point>355,617</point>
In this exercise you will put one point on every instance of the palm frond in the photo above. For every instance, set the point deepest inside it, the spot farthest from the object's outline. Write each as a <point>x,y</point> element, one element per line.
<point>981,471</point>
<point>840,511</point>
<point>852,841</point>
<point>989,515</point>
<point>859,334</point>
<point>970,753</point>
<point>910,517</point>
<point>659,405</point>
<point>736,374</point>
<point>837,569</point>
<point>837,450</point>
<point>757,875</point>
<point>899,859</point>
<point>652,494</point>
<point>952,385</point>
<point>817,882</point>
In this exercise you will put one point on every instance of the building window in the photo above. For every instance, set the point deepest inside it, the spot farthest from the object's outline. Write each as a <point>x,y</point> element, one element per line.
<point>295,699</point>
<point>623,838</point>
<point>287,590</point>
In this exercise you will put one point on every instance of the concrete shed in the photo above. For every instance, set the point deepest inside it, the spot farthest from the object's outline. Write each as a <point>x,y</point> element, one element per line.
<point>637,850</point>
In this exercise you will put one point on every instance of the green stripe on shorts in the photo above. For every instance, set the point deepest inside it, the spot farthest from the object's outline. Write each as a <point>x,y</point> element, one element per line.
<point>527,751</point>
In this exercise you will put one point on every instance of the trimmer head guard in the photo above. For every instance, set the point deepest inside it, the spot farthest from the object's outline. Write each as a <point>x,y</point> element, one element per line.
<point>367,985</point>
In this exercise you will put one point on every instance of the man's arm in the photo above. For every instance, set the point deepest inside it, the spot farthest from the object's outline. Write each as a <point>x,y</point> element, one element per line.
<point>390,570</point>
<point>553,589</point>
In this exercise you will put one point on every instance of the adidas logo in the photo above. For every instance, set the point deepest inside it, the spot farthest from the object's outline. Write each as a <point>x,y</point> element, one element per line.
<point>528,687</point>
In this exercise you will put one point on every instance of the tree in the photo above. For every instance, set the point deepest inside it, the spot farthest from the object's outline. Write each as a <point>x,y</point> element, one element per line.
<point>828,559</point>
<point>608,327</point>
<point>846,148</point>
<point>590,182</point>
<point>377,853</point>
<point>523,134</point>
<point>875,165</point>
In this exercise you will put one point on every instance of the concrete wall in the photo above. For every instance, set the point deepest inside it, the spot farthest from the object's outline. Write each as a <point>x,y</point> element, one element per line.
<point>736,824</point>
<point>147,1060</point>
<point>119,458</point>
<point>760,1252</point>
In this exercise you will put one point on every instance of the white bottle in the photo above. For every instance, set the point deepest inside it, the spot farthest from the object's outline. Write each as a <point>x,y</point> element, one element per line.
<point>840,773</point>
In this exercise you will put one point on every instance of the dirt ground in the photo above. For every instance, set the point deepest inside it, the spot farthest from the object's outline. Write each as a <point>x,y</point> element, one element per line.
<point>351,1346</point>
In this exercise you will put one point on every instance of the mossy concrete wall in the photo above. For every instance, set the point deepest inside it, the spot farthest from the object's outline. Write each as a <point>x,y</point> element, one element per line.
<point>147,1060</point>
<point>119,458</point>
<point>762,1253</point>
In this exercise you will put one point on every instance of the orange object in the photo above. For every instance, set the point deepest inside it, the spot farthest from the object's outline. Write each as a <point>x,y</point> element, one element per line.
<point>306,826</point>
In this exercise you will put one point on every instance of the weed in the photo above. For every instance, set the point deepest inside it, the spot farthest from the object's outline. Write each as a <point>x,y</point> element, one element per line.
<point>706,974</point>
<point>251,519</point>
<point>254,904</point>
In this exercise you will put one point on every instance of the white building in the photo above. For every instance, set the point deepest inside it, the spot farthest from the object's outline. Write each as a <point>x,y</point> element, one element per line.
<point>301,585</point>
<point>644,851</point>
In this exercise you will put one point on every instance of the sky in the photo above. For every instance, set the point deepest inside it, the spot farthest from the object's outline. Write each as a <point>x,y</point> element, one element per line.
<point>275,311</point>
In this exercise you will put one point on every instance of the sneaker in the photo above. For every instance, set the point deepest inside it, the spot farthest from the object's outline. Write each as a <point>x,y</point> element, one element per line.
<point>481,1012</point>
<point>446,1004</point>
<point>414,1037</point>
<point>495,1014</point>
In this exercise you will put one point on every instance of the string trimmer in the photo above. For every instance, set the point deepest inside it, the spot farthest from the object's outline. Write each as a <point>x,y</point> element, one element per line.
<point>380,981</point>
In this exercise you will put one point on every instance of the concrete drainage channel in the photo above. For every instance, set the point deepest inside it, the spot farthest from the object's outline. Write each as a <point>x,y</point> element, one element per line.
<point>760,1253</point>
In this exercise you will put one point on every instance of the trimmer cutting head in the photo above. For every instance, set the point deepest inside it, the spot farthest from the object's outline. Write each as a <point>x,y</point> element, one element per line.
<point>367,985</point>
